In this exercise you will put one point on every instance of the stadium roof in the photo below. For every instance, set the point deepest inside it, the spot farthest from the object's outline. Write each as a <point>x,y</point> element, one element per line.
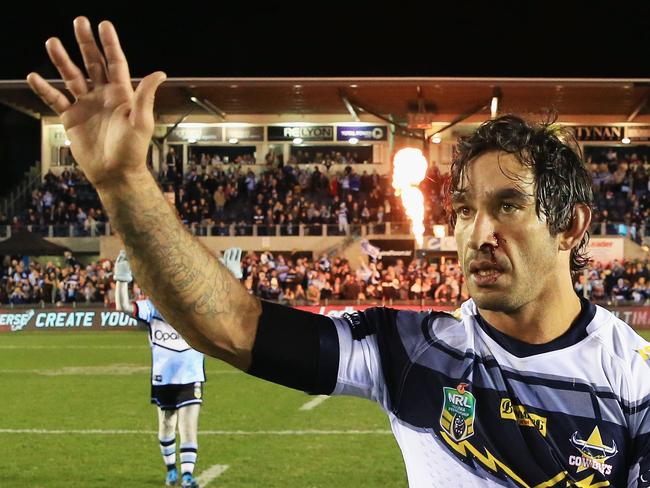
<point>617,99</point>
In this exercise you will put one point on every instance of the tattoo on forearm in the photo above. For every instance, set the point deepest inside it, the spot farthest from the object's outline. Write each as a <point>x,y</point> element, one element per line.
<point>168,262</point>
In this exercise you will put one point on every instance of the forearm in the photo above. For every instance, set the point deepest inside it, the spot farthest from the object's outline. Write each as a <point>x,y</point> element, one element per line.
<point>122,297</point>
<point>187,283</point>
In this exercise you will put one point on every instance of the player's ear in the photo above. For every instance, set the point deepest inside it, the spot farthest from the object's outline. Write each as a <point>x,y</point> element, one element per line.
<point>571,237</point>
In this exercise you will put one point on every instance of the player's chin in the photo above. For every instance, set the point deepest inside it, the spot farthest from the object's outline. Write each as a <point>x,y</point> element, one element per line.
<point>493,297</point>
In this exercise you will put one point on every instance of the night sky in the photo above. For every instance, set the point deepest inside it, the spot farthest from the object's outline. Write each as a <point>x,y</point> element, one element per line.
<point>353,38</point>
<point>335,38</point>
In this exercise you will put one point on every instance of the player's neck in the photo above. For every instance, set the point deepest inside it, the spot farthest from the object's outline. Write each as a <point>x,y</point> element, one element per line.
<point>541,320</point>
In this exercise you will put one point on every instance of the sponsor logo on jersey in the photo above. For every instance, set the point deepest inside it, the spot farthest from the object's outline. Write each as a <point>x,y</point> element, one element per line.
<point>457,314</point>
<point>523,417</point>
<point>160,335</point>
<point>644,352</point>
<point>644,479</point>
<point>163,334</point>
<point>356,328</point>
<point>593,452</point>
<point>458,412</point>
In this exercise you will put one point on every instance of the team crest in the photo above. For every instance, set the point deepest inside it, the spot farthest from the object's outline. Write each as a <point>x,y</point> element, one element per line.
<point>594,452</point>
<point>458,412</point>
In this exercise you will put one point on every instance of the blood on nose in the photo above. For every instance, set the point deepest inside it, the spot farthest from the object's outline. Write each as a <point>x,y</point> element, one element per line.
<point>498,240</point>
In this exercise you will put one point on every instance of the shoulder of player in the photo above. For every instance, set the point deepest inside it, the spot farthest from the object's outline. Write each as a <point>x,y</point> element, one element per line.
<point>625,346</point>
<point>393,321</point>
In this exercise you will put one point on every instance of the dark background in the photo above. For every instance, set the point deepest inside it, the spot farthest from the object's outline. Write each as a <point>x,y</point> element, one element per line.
<point>331,38</point>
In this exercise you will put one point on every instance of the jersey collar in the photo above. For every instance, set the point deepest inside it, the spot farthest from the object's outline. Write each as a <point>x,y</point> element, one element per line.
<point>575,333</point>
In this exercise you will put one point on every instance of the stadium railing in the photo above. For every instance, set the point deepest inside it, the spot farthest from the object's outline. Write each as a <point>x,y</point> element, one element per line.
<point>373,302</point>
<point>98,229</point>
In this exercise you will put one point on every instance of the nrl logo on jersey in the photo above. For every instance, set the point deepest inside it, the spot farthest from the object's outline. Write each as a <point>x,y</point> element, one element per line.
<point>594,452</point>
<point>458,412</point>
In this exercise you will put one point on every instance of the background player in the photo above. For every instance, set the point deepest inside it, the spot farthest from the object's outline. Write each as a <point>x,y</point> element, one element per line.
<point>177,374</point>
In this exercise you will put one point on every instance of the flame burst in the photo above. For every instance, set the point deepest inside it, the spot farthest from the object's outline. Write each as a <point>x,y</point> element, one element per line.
<point>409,169</point>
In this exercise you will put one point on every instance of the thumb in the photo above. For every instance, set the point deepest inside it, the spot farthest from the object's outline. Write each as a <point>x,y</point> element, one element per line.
<point>145,94</point>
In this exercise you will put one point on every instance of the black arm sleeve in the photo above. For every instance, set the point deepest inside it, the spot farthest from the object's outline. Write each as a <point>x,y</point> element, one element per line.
<point>296,349</point>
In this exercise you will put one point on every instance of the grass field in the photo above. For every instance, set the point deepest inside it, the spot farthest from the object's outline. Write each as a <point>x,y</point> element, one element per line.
<point>75,411</point>
<point>99,381</point>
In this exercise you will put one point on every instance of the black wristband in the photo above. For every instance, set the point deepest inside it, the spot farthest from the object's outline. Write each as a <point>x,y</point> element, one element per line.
<point>296,349</point>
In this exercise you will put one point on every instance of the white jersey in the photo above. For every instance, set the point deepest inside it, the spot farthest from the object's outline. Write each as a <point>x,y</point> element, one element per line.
<point>173,361</point>
<point>471,407</point>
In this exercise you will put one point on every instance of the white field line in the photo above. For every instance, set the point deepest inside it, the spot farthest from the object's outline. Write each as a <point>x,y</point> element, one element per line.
<point>201,433</point>
<point>211,473</point>
<point>311,404</point>
<point>88,347</point>
<point>107,370</point>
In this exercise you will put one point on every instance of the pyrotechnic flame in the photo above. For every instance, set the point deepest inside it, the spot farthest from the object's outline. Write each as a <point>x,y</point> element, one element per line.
<point>409,169</point>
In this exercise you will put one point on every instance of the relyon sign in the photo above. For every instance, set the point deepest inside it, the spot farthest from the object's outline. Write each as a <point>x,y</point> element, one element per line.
<point>306,133</point>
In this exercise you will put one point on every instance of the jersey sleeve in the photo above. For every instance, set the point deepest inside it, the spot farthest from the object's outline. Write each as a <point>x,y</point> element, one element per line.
<point>365,354</point>
<point>639,417</point>
<point>145,310</point>
<point>377,348</point>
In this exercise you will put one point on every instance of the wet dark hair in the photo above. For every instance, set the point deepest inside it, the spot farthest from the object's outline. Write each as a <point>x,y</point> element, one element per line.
<point>561,179</point>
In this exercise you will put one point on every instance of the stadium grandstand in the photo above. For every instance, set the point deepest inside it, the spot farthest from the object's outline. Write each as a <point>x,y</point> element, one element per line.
<point>299,172</point>
<point>314,179</point>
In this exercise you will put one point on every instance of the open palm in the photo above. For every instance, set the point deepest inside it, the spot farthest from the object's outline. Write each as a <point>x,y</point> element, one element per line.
<point>109,124</point>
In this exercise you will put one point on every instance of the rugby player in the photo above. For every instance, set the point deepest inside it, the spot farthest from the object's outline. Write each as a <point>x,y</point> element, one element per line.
<point>177,374</point>
<point>529,387</point>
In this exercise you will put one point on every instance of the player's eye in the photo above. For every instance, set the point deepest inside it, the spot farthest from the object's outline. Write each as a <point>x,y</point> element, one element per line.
<point>508,208</point>
<point>464,212</point>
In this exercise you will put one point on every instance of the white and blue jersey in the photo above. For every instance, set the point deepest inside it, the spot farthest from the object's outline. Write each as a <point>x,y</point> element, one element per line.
<point>471,407</point>
<point>173,361</point>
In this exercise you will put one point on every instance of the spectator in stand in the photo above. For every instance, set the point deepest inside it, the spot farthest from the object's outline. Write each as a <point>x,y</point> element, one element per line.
<point>342,217</point>
<point>171,162</point>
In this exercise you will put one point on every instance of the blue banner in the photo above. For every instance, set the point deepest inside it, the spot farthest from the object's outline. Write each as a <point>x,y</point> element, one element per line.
<point>363,133</point>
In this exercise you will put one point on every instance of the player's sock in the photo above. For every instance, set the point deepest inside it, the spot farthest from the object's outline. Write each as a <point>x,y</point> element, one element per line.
<point>168,451</point>
<point>188,457</point>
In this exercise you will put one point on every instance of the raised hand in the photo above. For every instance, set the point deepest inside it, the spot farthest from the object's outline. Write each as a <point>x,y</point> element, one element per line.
<point>109,124</point>
<point>232,260</point>
<point>122,271</point>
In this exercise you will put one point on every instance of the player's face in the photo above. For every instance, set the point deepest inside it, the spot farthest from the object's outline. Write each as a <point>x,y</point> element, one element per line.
<point>506,251</point>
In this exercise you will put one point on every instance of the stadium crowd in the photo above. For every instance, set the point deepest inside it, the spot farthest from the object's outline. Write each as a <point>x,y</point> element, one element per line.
<point>216,195</point>
<point>67,199</point>
<point>292,280</point>
<point>299,280</point>
<point>621,182</point>
<point>212,195</point>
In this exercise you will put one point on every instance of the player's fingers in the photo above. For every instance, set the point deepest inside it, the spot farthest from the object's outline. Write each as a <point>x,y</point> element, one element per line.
<point>74,79</point>
<point>145,95</point>
<point>92,56</point>
<point>56,100</point>
<point>117,67</point>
